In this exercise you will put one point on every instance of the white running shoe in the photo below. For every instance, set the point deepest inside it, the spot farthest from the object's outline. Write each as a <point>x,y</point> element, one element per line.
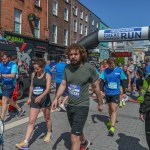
<point>62,106</point>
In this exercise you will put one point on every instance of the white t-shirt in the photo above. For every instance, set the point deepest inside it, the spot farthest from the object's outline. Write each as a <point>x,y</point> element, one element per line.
<point>131,70</point>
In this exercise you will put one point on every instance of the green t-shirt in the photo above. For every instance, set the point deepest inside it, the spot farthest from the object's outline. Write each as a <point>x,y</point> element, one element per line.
<point>78,80</point>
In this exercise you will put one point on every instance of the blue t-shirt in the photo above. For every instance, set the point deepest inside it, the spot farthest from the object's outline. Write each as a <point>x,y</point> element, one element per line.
<point>47,69</point>
<point>60,67</point>
<point>8,68</point>
<point>97,72</point>
<point>112,79</point>
<point>147,69</point>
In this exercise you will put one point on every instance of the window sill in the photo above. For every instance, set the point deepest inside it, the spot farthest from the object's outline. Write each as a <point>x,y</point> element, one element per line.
<point>65,20</point>
<point>55,15</point>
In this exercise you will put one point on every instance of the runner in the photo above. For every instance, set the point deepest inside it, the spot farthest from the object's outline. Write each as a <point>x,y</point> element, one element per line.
<point>39,98</point>
<point>60,66</point>
<point>15,92</point>
<point>112,76</point>
<point>48,69</point>
<point>104,65</point>
<point>77,77</point>
<point>127,86</point>
<point>8,75</point>
<point>131,70</point>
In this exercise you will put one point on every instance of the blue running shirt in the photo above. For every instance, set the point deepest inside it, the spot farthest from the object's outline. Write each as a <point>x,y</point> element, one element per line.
<point>60,67</point>
<point>8,68</point>
<point>47,69</point>
<point>112,79</point>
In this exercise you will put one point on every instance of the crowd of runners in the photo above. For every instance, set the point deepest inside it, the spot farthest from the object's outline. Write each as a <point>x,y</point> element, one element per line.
<point>110,83</point>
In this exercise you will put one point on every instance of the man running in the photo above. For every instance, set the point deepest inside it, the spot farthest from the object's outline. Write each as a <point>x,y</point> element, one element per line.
<point>60,66</point>
<point>112,76</point>
<point>77,77</point>
<point>8,75</point>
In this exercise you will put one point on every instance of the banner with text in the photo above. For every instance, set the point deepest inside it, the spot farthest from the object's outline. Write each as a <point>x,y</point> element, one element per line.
<point>124,34</point>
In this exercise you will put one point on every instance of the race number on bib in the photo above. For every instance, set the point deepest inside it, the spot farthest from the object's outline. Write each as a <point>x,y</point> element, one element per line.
<point>74,90</point>
<point>112,85</point>
<point>38,90</point>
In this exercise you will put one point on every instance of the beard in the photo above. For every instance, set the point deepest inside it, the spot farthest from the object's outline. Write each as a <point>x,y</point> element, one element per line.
<point>75,62</point>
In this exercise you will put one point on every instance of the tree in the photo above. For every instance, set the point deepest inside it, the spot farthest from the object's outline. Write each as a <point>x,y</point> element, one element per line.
<point>120,60</point>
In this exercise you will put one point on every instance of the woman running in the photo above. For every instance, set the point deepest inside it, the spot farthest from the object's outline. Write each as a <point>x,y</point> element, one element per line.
<point>39,98</point>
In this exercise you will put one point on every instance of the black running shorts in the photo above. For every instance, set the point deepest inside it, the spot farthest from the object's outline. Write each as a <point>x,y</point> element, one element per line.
<point>113,99</point>
<point>77,116</point>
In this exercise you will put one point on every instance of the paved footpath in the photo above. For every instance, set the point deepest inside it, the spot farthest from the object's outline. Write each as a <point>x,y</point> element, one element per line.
<point>129,135</point>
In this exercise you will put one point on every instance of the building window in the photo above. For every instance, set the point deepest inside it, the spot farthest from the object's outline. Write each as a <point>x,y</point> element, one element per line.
<point>54,34</point>
<point>37,3</point>
<point>75,12</point>
<point>86,18</point>
<point>66,14</point>
<point>81,14</point>
<point>85,32</point>
<point>81,28</point>
<point>65,37</point>
<point>55,7</point>
<point>37,28</point>
<point>93,22</point>
<point>75,26</point>
<point>17,21</point>
<point>97,25</point>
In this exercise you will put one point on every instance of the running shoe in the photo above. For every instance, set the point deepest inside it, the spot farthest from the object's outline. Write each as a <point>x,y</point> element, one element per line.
<point>62,106</point>
<point>85,145</point>
<point>49,136</point>
<point>21,113</point>
<point>109,124</point>
<point>112,131</point>
<point>123,103</point>
<point>120,104</point>
<point>23,146</point>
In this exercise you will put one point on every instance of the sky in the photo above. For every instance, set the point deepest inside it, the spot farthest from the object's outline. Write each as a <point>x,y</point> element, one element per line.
<point>121,13</point>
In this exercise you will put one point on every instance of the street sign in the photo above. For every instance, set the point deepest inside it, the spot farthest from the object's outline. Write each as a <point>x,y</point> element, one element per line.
<point>121,54</point>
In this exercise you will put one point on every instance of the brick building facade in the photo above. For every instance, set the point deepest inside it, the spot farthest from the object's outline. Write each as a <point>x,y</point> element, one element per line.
<point>17,11</point>
<point>59,25</point>
<point>79,21</point>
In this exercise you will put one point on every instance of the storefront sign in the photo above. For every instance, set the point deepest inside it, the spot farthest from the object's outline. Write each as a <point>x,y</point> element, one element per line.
<point>15,39</point>
<point>121,54</point>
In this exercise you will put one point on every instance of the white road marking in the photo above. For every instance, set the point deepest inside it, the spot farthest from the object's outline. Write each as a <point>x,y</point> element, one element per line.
<point>19,122</point>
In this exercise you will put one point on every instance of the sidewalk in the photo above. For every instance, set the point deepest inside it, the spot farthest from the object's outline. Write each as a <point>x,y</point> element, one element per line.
<point>129,135</point>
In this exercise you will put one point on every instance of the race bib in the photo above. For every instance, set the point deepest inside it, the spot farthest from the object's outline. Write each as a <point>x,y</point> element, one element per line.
<point>112,85</point>
<point>74,90</point>
<point>38,90</point>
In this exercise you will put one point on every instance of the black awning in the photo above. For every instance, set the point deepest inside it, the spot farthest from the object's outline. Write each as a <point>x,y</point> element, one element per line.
<point>7,47</point>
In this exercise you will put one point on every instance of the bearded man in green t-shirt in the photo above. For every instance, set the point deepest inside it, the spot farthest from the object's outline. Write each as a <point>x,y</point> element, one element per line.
<point>77,77</point>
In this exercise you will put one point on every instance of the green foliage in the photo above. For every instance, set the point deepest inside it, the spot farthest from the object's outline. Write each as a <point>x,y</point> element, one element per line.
<point>120,60</point>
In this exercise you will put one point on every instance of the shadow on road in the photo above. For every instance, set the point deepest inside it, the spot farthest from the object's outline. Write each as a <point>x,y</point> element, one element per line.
<point>101,118</point>
<point>39,132</point>
<point>12,114</point>
<point>66,138</point>
<point>128,142</point>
